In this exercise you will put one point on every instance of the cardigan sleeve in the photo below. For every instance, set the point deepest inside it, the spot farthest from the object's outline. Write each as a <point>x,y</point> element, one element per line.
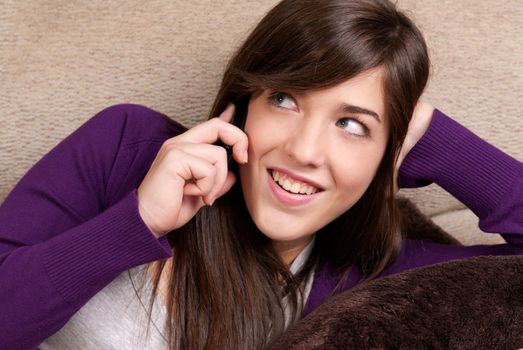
<point>482,177</point>
<point>71,225</point>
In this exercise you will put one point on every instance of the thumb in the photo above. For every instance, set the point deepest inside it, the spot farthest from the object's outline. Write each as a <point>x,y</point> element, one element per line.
<point>395,183</point>
<point>397,166</point>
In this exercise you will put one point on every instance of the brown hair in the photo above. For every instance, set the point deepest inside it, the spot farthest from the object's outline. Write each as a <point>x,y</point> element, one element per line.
<point>227,283</point>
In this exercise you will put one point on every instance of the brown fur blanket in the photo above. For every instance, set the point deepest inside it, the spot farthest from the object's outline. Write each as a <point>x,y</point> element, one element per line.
<point>475,303</point>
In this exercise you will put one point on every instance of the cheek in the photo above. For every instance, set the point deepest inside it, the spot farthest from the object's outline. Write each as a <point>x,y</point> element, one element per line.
<point>259,130</point>
<point>354,173</point>
<point>265,132</point>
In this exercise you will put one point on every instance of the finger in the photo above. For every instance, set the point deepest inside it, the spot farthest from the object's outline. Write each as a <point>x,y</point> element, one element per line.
<point>198,174</point>
<point>217,129</point>
<point>399,161</point>
<point>229,182</point>
<point>216,156</point>
<point>395,178</point>
<point>227,116</point>
<point>228,113</point>
<point>395,184</point>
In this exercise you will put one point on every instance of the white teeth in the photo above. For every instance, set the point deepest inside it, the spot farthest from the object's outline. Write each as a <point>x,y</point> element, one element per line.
<point>306,189</point>
<point>287,185</point>
<point>292,186</point>
<point>295,188</point>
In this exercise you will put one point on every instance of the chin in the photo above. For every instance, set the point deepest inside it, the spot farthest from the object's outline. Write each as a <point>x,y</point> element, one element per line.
<point>279,232</point>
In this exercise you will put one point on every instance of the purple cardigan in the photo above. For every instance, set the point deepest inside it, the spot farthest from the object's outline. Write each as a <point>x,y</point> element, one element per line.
<point>71,225</point>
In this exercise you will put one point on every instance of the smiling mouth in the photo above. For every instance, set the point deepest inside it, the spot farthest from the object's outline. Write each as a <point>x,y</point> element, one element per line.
<point>291,185</point>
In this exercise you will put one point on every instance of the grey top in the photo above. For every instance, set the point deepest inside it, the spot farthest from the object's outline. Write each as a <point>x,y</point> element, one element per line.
<point>115,318</point>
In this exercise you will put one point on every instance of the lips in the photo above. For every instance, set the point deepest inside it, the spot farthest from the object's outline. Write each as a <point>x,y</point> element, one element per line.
<point>294,178</point>
<point>292,185</point>
<point>282,194</point>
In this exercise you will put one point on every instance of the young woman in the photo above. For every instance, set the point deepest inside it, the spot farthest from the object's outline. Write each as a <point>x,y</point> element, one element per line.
<point>320,110</point>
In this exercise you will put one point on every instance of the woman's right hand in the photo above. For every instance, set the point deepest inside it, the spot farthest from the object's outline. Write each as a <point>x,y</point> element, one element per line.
<point>190,172</point>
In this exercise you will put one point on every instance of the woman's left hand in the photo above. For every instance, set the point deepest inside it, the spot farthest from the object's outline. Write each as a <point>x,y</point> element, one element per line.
<point>418,125</point>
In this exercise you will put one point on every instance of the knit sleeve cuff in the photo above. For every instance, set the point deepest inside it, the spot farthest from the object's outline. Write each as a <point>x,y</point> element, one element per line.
<point>475,172</point>
<point>84,259</point>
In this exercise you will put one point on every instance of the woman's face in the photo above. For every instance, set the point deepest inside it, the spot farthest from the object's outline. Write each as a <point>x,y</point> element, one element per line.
<point>311,156</point>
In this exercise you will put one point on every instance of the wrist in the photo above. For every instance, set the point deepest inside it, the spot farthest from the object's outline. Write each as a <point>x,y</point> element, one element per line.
<point>148,221</point>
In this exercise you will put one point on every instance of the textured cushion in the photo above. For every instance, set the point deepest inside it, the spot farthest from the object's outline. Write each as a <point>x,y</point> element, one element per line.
<point>463,225</point>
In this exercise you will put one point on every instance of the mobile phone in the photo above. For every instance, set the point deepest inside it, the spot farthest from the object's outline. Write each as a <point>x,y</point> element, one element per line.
<point>238,120</point>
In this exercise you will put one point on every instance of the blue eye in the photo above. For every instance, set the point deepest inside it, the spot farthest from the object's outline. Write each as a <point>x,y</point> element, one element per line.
<point>282,100</point>
<point>353,127</point>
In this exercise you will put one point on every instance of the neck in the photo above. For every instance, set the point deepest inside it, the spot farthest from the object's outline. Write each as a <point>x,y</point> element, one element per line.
<point>289,250</point>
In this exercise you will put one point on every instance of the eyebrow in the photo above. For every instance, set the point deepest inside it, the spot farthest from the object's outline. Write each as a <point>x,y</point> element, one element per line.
<point>347,108</point>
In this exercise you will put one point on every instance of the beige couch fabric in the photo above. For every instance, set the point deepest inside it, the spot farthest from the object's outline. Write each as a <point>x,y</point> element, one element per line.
<point>62,61</point>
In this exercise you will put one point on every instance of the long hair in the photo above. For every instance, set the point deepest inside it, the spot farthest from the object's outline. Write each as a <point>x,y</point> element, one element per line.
<point>227,283</point>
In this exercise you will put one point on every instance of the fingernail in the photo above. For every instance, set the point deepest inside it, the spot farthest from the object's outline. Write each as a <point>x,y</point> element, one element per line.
<point>245,157</point>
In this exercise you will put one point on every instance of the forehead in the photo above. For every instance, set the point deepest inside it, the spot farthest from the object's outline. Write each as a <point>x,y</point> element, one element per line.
<point>365,90</point>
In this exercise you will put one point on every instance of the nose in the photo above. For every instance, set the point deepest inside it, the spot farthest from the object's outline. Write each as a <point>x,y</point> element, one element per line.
<point>307,144</point>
